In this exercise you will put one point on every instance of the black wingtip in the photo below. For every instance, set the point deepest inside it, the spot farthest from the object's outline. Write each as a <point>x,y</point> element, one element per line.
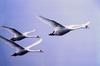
<point>4,26</point>
<point>42,17</point>
<point>2,37</point>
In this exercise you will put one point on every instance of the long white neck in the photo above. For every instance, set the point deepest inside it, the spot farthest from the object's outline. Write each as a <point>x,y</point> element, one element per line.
<point>78,27</point>
<point>74,27</point>
<point>35,50</point>
<point>31,36</point>
<point>81,26</point>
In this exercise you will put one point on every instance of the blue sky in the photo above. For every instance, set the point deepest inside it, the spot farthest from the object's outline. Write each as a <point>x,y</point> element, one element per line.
<point>77,48</point>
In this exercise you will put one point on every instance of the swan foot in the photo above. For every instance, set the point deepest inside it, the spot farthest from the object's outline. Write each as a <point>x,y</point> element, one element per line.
<point>52,33</point>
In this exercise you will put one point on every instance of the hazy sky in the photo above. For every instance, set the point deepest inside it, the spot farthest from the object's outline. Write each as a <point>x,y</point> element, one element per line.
<point>77,48</point>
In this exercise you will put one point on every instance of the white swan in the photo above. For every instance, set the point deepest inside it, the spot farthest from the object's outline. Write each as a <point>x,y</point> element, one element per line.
<point>59,29</point>
<point>18,35</point>
<point>22,50</point>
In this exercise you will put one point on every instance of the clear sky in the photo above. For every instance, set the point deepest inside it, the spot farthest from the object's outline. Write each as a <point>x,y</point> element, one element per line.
<point>77,48</point>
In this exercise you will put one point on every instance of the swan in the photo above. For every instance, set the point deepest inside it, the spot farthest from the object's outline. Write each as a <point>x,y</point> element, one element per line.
<point>59,29</point>
<point>18,35</point>
<point>22,50</point>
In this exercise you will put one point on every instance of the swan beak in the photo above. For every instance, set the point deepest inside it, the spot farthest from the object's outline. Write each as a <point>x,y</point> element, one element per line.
<point>41,51</point>
<point>87,27</point>
<point>37,36</point>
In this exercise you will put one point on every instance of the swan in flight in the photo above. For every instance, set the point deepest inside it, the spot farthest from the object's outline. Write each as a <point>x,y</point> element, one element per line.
<point>59,29</point>
<point>18,35</point>
<point>22,50</point>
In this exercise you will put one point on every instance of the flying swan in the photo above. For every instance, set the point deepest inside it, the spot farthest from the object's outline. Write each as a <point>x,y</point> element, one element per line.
<point>59,29</point>
<point>22,50</point>
<point>18,35</point>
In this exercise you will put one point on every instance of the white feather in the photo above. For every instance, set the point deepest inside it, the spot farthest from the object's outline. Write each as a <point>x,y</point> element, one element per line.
<point>34,44</point>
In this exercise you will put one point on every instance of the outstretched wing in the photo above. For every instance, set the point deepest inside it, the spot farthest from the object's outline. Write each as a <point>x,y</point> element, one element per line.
<point>14,31</point>
<point>34,44</point>
<point>26,33</point>
<point>51,22</point>
<point>12,43</point>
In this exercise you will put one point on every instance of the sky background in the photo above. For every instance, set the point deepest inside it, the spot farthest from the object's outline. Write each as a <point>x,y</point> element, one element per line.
<point>77,48</point>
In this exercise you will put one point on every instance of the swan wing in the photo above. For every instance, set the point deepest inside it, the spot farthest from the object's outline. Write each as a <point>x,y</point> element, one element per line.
<point>50,22</point>
<point>34,44</point>
<point>26,33</point>
<point>12,30</point>
<point>12,43</point>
